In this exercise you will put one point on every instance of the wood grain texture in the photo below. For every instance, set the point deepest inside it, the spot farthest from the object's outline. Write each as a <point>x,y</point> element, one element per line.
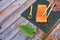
<point>16,30</point>
<point>20,36</point>
<point>9,10</point>
<point>16,15</point>
<point>5,3</point>
<point>9,29</point>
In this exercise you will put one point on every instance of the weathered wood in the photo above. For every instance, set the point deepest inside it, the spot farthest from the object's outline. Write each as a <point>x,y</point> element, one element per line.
<point>9,10</point>
<point>9,30</point>
<point>33,26</point>
<point>16,30</point>
<point>5,3</point>
<point>16,15</point>
<point>55,30</point>
<point>10,21</point>
<point>20,36</point>
<point>12,31</point>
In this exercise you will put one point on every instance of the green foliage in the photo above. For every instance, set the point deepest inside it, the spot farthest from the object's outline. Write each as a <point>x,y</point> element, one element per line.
<point>27,30</point>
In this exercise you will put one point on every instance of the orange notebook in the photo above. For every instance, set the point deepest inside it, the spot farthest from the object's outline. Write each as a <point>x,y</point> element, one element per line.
<point>40,10</point>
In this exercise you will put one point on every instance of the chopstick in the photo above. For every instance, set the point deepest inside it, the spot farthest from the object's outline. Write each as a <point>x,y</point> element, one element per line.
<point>50,10</point>
<point>46,9</point>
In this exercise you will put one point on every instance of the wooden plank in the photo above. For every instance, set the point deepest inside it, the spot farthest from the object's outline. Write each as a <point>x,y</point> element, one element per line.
<point>21,22</point>
<point>5,3</point>
<point>10,21</point>
<point>16,30</point>
<point>33,26</point>
<point>9,10</point>
<point>55,34</point>
<point>16,15</point>
<point>9,30</point>
<point>20,36</point>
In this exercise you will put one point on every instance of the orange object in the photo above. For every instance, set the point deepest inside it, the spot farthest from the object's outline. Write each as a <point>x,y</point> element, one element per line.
<point>40,10</point>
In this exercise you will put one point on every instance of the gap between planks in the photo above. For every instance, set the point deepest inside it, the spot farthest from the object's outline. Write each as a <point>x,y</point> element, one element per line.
<point>10,9</point>
<point>22,8</point>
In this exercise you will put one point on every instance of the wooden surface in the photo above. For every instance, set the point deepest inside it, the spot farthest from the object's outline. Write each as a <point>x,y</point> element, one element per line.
<point>5,3</point>
<point>10,17</point>
<point>13,16</point>
<point>9,10</point>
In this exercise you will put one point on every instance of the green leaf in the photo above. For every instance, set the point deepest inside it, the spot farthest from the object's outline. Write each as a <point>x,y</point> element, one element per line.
<point>27,30</point>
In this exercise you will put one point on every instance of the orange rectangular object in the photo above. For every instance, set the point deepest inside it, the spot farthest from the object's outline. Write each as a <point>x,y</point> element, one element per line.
<point>40,10</point>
